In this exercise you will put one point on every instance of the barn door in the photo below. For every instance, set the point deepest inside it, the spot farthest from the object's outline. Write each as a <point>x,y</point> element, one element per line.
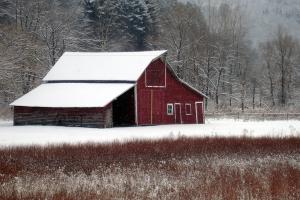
<point>178,119</point>
<point>151,107</point>
<point>157,106</point>
<point>199,113</point>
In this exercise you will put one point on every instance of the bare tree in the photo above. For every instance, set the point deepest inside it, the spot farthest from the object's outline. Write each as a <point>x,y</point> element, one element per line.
<point>55,27</point>
<point>268,62</point>
<point>183,29</point>
<point>285,46</point>
<point>21,65</point>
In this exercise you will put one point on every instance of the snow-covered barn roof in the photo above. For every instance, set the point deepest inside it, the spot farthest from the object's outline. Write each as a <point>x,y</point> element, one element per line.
<point>90,79</point>
<point>112,66</point>
<point>74,95</point>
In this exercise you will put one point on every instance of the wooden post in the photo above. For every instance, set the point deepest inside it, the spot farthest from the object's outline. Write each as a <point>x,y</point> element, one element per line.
<point>136,106</point>
<point>151,107</point>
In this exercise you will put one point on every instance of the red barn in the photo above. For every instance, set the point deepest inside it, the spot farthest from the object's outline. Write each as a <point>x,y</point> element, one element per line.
<point>110,89</point>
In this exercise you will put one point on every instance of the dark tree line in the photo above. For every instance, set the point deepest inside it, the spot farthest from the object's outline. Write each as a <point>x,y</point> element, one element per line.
<point>120,24</point>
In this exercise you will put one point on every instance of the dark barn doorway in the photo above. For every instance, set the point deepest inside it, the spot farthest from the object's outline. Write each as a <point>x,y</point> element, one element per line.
<point>124,109</point>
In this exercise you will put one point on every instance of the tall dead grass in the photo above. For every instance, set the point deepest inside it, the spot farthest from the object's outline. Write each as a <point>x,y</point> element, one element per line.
<point>186,168</point>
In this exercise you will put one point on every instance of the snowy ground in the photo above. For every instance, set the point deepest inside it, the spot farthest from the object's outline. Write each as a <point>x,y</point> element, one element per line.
<point>42,135</point>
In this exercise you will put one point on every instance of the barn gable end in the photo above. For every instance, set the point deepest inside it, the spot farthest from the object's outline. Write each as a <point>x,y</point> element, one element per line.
<point>152,101</point>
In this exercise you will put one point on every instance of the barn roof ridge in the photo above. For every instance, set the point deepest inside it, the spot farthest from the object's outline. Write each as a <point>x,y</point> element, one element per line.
<point>116,53</point>
<point>102,65</point>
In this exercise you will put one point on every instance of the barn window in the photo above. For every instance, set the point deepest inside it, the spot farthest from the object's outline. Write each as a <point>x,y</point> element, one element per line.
<point>188,109</point>
<point>170,109</point>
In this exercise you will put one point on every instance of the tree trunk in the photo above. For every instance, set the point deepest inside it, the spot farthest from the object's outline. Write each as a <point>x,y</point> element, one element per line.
<point>243,97</point>
<point>16,13</point>
<point>283,100</point>
<point>272,92</point>
<point>217,89</point>
<point>207,79</point>
<point>253,96</point>
<point>52,50</point>
<point>271,84</point>
<point>260,97</point>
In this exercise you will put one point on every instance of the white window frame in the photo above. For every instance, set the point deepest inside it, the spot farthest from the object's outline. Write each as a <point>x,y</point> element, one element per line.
<point>185,107</point>
<point>170,104</point>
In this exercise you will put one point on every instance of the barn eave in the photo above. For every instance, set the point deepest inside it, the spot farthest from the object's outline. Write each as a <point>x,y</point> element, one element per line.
<point>185,83</point>
<point>72,95</point>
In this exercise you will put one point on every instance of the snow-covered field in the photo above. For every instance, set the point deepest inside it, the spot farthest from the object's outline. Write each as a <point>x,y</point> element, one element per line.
<point>42,135</point>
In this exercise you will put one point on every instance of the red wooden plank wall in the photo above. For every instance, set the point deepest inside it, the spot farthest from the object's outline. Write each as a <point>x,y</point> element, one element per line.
<point>152,101</point>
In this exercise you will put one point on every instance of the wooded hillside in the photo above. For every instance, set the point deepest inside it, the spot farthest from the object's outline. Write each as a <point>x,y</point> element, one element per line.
<point>210,50</point>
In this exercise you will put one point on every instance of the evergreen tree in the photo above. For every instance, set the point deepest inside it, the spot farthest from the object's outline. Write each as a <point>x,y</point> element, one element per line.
<point>153,10</point>
<point>125,24</point>
<point>138,16</point>
<point>102,23</point>
<point>6,11</point>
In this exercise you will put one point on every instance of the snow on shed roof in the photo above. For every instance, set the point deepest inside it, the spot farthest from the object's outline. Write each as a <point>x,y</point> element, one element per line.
<point>72,95</point>
<point>125,66</point>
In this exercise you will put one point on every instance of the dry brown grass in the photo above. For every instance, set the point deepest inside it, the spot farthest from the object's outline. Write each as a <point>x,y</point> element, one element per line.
<point>187,168</point>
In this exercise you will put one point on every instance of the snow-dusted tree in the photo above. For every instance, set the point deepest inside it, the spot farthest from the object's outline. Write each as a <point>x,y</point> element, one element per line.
<point>240,51</point>
<point>6,11</point>
<point>21,64</point>
<point>224,46</point>
<point>223,54</point>
<point>119,25</point>
<point>28,14</point>
<point>183,34</point>
<point>102,24</point>
<point>54,28</point>
<point>134,15</point>
<point>30,44</point>
<point>267,50</point>
<point>153,12</point>
<point>137,21</point>
<point>246,58</point>
<point>255,81</point>
<point>286,53</point>
<point>46,19</point>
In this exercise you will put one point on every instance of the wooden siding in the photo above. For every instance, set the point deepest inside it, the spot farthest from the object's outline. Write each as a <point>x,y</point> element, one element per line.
<point>152,101</point>
<point>81,117</point>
